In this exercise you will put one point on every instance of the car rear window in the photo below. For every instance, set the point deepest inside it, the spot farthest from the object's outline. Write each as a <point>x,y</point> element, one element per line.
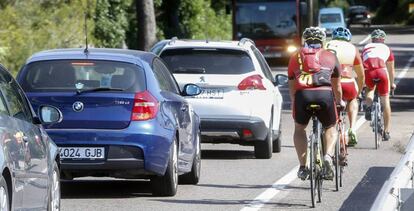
<point>207,61</point>
<point>72,75</point>
<point>331,18</point>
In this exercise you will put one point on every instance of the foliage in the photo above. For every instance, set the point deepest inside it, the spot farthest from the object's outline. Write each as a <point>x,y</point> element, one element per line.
<point>31,26</point>
<point>110,23</point>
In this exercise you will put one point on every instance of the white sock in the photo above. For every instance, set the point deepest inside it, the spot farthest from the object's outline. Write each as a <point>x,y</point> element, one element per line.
<point>327,157</point>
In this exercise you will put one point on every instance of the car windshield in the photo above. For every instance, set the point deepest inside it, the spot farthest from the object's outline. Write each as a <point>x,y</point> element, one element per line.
<point>207,61</point>
<point>330,18</point>
<point>76,75</point>
<point>268,19</point>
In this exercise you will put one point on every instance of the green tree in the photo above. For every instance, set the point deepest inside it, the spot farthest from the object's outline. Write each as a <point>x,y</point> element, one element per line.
<point>110,23</point>
<point>31,26</point>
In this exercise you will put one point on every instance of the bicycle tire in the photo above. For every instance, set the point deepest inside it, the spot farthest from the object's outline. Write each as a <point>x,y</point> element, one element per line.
<point>319,167</point>
<point>376,126</point>
<point>336,161</point>
<point>312,171</point>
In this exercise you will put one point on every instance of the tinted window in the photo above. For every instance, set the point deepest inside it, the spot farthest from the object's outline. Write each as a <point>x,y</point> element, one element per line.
<point>207,61</point>
<point>263,64</point>
<point>164,78</point>
<point>265,19</point>
<point>70,75</point>
<point>331,18</point>
<point>3,108</point>
<point>17,102</point>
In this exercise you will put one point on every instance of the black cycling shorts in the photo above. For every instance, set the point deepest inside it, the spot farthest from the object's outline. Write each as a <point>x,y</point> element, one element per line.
<point>327,114</point>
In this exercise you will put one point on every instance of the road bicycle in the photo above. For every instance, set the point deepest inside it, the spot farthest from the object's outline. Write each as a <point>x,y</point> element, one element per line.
<point>341,152</point>
<point>377,117</point>
<point>315,155</point>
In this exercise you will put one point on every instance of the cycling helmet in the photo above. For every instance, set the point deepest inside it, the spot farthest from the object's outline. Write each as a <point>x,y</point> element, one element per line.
<point>314,33</point>
<point>378,34</point>
<point>341,33</point>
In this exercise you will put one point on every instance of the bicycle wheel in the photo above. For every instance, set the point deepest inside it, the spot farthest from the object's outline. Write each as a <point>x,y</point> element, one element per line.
<point>312,170</point>
<point>336,162</point>
<point>319,167</point>
<point>376,132</point>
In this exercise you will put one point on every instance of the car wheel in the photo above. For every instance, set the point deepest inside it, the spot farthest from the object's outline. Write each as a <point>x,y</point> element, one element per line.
<point>166,185</point>
<point>54,193</point>
<point>194,176</point>
<point>4,195</point>
<point>263,149</point>
<point>277,143</point>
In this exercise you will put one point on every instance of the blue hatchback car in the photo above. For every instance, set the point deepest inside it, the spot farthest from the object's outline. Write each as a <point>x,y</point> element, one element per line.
<point>124,115</point>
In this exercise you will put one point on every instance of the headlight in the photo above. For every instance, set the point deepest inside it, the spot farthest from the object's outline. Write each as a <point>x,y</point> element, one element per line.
<point>291,48</point>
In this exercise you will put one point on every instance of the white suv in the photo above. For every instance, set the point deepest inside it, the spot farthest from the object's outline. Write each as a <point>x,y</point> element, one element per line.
<point>240,100</point>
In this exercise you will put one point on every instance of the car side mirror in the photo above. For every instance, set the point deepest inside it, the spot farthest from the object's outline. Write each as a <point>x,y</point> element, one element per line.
<point>281,80</point>
<point>191,90</point>
<point>50,114</point>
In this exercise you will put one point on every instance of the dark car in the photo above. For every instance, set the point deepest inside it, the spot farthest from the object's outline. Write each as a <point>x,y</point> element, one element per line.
<point>29,159</point>
<point>124,115</point>
<point>359,14</point>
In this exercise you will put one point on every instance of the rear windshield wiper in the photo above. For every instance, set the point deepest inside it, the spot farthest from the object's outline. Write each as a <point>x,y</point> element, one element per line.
<point>189,70</point>
<point>99,89</point>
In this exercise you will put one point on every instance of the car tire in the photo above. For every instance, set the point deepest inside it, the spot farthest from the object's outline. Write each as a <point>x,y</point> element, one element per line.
<point>263,149</point>
<point>4,195</point>
<point>277,143</point>
<point>167,184</point>
<point>193,177</point>
<point>54,191</point>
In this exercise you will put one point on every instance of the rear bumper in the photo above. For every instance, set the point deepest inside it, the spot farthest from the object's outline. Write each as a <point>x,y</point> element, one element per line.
<point>128,154</point>
<point>218,130</point>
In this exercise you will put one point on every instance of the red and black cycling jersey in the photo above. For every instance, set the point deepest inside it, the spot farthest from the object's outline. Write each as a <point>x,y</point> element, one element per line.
<point>313,68</point>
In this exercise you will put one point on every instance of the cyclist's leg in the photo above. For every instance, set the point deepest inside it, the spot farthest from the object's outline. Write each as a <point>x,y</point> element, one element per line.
<point>369,83</point>
<point>299,139</point>
<point>302,118</point>
<point>383,91</point>
<point>349,93</point>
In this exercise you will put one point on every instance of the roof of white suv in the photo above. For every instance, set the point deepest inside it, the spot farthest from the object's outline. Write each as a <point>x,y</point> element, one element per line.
<point>243,44</point>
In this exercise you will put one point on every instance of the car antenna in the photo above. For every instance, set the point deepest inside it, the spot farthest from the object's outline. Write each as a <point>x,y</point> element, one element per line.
<point>86,50</point>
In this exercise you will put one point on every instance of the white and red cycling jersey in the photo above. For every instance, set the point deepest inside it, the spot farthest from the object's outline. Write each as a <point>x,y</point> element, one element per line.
<point>374,57</point>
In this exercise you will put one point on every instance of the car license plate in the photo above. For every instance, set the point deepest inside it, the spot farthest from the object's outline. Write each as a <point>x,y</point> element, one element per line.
<point>90,153</point>
<point>211,94</point>
<point>359,16</point>
<point>273,55</point>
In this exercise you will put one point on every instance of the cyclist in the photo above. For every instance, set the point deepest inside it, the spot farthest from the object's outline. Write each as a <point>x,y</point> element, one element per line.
<point>350,59</point>
<point>378,61</point>
<point>314,78</point>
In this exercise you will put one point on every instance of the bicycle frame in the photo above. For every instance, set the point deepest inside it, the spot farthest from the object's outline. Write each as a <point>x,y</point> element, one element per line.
<point>377,119</point>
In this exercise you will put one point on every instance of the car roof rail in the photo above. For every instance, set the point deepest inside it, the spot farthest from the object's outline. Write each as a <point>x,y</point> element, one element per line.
<point>244,40</point>
<point>172,41</point>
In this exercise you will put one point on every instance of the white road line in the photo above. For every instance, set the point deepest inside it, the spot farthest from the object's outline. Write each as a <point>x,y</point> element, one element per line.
<point>269,193</point>
<point>365,40</point>
<point>279,185</point>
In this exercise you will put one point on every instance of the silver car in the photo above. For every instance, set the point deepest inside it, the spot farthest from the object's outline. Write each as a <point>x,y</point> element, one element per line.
<point>28,157</point>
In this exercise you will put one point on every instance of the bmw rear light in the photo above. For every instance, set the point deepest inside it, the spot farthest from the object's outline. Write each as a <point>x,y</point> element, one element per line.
<point>252,82</point>
<point>145,106</point>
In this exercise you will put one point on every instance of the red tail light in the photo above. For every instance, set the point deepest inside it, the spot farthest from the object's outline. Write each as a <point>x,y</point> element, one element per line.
<point>145,106</point>
<point>252,82</point>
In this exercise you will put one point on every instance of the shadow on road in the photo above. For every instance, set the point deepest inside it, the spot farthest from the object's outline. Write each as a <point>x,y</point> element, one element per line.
<point>364,194</point>
<point>86,189</point>
<point>227,154</point>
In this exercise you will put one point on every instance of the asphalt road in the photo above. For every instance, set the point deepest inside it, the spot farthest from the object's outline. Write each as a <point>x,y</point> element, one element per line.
<point>232,179</point>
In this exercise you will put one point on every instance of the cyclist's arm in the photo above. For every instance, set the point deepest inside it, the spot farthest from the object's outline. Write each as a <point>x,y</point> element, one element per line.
<point>291,75</point>
<point>359,70</point>
<point>391,72</point>
<point>336,82</point>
